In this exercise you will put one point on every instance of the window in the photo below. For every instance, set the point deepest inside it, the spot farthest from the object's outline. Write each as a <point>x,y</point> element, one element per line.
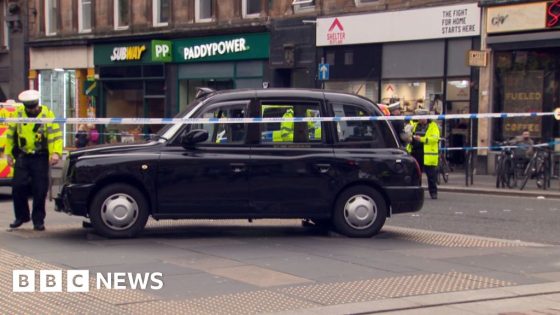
<point>362,2</point>
<point>161,12</point>
<point>224,133</point>
<point>51,23</point>
<point>4,34</point>
<point>290,132</point>
<point>84,15</point>
<point>348,58</point>
<point>251,8</point>
<point>121,14</point>
<point>357,131</point>
<point>204,10</point>
<point>301,5</point>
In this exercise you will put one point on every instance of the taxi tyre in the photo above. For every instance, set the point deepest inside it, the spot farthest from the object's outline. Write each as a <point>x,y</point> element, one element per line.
<point>119,211</point>
<point>359,211</point>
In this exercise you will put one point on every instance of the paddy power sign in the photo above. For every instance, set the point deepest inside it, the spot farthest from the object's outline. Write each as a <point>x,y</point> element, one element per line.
<point>220,48</point>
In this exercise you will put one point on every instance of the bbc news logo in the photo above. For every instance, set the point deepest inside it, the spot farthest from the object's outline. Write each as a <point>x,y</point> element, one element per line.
<point>78,281</point>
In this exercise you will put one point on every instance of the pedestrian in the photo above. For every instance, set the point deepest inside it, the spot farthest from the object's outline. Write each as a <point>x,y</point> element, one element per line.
<point>93,134</point>
<point>30,148</point>
<point>404,135</point>
<point>82,137</point>
<point>425,148</point>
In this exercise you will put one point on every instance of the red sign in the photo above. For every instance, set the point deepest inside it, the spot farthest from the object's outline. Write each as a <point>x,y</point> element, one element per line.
<point>553,13</point>
<point>336,36</point>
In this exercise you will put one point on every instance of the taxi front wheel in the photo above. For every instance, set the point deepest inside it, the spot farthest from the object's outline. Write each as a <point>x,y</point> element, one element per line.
<point>119,210</point>
<point>360,211</point>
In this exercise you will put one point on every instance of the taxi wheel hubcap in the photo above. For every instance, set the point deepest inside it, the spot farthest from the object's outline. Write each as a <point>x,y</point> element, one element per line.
<point>119,211</point>
<point>360,212</point>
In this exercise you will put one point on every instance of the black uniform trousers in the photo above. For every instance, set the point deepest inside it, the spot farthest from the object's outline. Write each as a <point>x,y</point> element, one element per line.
<point>31,172</point>
<point>431,173</point>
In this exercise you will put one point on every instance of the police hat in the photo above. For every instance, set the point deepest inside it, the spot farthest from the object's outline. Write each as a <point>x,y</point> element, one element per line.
<point>29,98</point>
<point>421,111</point>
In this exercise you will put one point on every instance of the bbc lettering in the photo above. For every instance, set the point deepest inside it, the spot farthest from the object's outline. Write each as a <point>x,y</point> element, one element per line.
<point>78,281</point>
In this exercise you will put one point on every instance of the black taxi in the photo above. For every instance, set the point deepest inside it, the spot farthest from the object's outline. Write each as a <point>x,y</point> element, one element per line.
<point>351,175</point>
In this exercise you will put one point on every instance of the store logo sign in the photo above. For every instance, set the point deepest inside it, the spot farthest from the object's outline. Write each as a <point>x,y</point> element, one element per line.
<point>336,34</point>
<point>161,51</point>
<point>553,14</point>
<point>237,45</point>
<point>128,53</point>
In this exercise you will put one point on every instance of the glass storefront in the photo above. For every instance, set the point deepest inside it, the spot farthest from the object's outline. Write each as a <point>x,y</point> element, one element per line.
<point>58,93</point>
<point>413,94</point>
<point>367,89</point>
<point>527,81</point>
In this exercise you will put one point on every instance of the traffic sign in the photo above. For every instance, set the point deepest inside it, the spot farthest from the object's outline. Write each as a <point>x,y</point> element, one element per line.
<point>323,71</point>
<point>557,113</point>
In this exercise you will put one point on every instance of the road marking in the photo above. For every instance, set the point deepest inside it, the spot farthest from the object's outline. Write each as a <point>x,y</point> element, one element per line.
<point>507,210</point>
<point>415,215</point>
<point>483,211</point>
<point>458,212</point>
<point>529,209</point>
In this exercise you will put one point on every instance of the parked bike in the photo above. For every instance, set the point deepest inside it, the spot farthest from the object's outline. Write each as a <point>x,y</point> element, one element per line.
<point>443,165</point>
<point>538,168</point>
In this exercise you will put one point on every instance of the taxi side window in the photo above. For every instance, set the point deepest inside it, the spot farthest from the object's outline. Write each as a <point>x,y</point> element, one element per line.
<point>234,133</point>
<point>290,132</point>
<point>357,131</point>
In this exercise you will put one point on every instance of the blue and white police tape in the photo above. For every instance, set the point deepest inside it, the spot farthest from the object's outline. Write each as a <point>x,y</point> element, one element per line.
<point>164,121</point>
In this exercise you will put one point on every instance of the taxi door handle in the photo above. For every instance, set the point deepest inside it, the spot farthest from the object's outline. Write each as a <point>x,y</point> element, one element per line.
<point>238,167</point>
<point>323,168</point>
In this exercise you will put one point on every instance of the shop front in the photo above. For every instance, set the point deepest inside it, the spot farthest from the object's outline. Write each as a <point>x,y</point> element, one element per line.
<point>421,62</point>
<point>220,62</point>
<point>524,40</point>
<point>131,83</point>
<point>60,74</point>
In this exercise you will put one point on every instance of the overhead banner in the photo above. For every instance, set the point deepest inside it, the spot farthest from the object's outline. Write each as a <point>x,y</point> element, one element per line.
<point>429,23</point>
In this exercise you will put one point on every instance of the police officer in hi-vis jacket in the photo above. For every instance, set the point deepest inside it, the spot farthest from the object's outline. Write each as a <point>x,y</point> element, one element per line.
<point>30,148</point>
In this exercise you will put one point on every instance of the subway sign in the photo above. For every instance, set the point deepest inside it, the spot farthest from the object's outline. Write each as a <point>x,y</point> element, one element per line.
<point>200,49</point>
<point>128,53</point>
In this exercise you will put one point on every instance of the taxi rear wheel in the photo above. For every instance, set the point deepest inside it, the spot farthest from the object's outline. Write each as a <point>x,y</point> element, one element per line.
<point>119,210</point>
<point>359,211</point>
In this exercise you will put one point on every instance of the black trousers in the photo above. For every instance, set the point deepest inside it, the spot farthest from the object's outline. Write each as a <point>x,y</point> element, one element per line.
<point>431,172</point>
<point>31,172</point>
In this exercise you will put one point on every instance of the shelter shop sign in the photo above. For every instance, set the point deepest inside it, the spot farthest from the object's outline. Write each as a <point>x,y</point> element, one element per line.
<point>428,23</point>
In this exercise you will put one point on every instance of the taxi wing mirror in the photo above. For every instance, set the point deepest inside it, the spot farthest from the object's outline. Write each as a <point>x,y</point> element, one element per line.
<point>191,138</point>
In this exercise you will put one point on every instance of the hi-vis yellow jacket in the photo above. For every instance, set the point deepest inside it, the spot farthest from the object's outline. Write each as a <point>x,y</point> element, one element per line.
<point>34,138</point>
<point>430,141</point>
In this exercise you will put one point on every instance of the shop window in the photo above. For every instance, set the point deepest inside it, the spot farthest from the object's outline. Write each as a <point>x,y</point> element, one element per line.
<point>303,5</point>
<point>153,71</point>
<point>365,2</point>
<point>357,131</point>
<point>121,14</point>
<point>290,132</point>
<point>367,89</point>
<point>348,58</point>
<point>154,88</point>
<point>225,133</point>
<point>51,22</point>
<point>120,72</point>
<point>204,10</point>
<point>251,8</point>
<point>413,94</point>
<point>84,16</point>
<point>331,58</point>
<point>160,12</point>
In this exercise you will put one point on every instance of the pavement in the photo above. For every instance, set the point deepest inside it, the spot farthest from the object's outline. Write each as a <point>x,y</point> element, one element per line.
<point>486,184</point>
<point>280,267</point>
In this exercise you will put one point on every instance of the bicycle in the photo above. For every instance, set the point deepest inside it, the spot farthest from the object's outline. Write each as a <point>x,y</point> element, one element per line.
<point>539,168</point>
<point>443,166</point>
<point>506,174</point>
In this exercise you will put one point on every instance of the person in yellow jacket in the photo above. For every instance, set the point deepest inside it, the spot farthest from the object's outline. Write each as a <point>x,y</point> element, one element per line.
<point>286,132</point>
<point>425,148</point>
<point>30,148</point>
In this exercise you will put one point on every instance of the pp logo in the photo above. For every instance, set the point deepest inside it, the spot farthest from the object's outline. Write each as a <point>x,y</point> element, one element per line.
<point>161,51</point>
<point>50,281</point>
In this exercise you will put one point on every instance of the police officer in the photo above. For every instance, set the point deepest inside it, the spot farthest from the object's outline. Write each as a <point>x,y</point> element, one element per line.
<point>425,148</point>
<point>32,147</point>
